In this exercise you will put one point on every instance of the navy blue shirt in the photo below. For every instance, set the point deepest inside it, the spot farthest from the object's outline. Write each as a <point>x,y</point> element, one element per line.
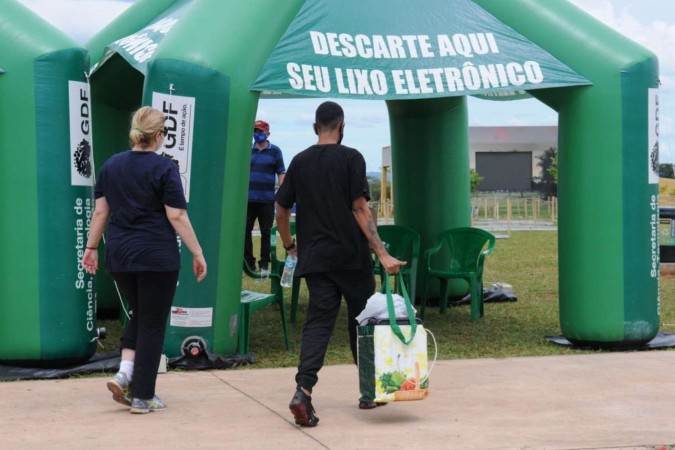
<point>140,237</point>
<point>265,165</point>
<point>323,181</point>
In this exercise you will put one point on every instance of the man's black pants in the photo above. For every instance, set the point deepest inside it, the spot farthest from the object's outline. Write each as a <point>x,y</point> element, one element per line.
<point>264,212</point>
<point>150,295</point>
<point>325,294</point>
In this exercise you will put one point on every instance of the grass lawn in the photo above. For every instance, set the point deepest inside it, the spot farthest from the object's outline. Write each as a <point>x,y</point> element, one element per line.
<point>527,260</point>
<point>666,192</point>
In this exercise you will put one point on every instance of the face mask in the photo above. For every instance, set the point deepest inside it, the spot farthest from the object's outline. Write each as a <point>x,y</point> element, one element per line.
<point>259,137</point>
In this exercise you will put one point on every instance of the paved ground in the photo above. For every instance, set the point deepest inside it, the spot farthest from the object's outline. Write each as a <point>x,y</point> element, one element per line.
<point>608,400</point>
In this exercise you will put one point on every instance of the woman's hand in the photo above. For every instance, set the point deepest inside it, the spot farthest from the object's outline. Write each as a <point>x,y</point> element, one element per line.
<point>199,266</point>
<point>90,261</point>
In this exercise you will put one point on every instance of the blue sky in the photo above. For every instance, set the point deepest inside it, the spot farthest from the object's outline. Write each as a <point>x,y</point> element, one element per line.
<point>651,23</point>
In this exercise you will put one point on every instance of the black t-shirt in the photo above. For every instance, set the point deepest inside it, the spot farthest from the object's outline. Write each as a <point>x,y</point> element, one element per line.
<point>323,180</point>
<point>140,237</point>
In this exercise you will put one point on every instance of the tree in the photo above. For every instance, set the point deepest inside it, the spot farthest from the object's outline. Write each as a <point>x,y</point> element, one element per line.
<point>666,171</point>
<point>553,170</point>
<point>548,162</point>
<point>375,188</point>
<point>475,180</point>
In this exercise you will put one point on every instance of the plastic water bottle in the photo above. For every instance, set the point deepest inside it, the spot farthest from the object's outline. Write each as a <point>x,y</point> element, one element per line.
<point>289,268</point>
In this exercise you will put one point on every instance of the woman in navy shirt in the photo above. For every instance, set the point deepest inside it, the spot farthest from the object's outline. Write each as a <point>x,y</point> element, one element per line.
<point>140,197</point>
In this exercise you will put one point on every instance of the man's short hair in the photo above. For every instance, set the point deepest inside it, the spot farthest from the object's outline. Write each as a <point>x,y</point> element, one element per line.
<point>329,115</point>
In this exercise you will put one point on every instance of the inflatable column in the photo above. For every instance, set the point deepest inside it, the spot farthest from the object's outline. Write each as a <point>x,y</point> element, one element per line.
<point>430,159</point>
<point>47,299</point>
<point>608,173</point>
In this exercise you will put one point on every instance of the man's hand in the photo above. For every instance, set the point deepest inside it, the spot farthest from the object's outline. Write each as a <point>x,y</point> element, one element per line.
<point>390,264</point>
<point>284,229</point>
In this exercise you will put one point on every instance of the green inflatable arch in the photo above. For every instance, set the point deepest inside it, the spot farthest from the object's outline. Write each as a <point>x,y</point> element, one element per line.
<point>602,85</point>
<point>206,65</point>
<point>47,299</point>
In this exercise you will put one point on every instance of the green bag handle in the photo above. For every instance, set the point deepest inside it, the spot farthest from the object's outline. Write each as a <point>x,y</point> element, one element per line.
<point>408,306</point>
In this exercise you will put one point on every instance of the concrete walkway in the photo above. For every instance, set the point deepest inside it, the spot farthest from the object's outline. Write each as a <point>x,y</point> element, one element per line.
<point>599,401</point>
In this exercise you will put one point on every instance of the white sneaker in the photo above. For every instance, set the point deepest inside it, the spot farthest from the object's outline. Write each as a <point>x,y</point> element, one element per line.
<point>119,385</point>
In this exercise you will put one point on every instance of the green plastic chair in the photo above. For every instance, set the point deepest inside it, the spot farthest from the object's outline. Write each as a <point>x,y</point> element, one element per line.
<point>251,301</point>
<point>278,267</point>
<point>465,249</point>
<point>402,243</point>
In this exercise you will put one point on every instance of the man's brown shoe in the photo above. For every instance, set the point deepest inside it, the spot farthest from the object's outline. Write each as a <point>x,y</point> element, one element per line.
<point>363,404</point>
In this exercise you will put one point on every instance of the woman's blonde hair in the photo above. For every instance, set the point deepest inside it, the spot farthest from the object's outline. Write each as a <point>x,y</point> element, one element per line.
<point>145,125</point>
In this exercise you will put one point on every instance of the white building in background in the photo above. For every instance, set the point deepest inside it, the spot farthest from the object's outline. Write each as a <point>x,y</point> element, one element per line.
<point>506,157</point>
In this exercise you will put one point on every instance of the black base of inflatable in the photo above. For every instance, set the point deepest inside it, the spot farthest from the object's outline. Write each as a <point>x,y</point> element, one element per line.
<point>48,364</point>
<point>489,296</point>
<point>110,363</point>
<point>100,362</point>
<point>661,340</point>
<point>207,361</point>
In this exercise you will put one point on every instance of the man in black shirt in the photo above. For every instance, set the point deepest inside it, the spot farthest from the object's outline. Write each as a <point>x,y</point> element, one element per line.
<point>335,231</point>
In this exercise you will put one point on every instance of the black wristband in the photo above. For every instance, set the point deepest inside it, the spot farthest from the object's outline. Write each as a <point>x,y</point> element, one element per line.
<point>290,247</point>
